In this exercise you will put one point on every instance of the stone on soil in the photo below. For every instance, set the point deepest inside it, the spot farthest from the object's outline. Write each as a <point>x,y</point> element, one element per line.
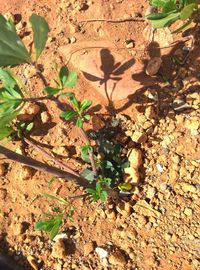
<point>117,258</point>
<point>59,250</point>
<point>88,248</point>
<point>98,64</point>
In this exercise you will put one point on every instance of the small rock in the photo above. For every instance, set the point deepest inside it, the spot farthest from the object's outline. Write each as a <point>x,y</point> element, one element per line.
<point>2,169</point>
<point>153,66</point>
<point>72,40</point>
<point>133,176</point>
<point>61,150</point>
<point>144,208</point>
<point>124,208</point>
<point>45,117</point>
<point>135,158</point>
<point>188,211</point>
<point>57,266</point>
<point>26,173</point>
<point>141,221</point>
<point>20,228</point>
<point>60,236</point>
<point>117,258</point>
<point>192,124</point>
<point>160,168</point>
<point>25,117</point>
<point>167,236</point>
<point>97,122</point>
<point>141,118</point>
<point>59,250</point>
<point>88,248</point>
<point>130,44</point>
<point>30,71</point>
<point>110,214</point>
<point>150,112</point>
<point>3,193</point>
<point>139,137</point>
<point>151,191</point>
<point>180,105</point>
<point>32,262</point>
<point>176,159</point>
<point>188,187</point>
<point>102,253</point>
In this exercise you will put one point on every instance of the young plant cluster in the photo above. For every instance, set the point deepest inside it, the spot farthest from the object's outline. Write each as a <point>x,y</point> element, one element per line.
<point>169,11</point>
<point>105,161</point>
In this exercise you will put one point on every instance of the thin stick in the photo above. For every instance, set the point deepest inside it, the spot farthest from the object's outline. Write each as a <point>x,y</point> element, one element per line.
<point>43,167</point>
<point>57,161</point>
<point>91,155</point>
<point>114,21</point>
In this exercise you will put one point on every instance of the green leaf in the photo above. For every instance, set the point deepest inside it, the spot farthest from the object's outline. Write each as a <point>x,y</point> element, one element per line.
<point>5,132</point>
<point>12,50</point>
<point>103,196</point>
<point>87,117</point>
<point>51,91</point>
<point>50,225</point>
<point>45,225</point>
<point>79,122</point>
<point>125,186</point>
<point>91,190</point>
<point>29,127</point>
<point>51,181</point>
<point>158,3</point>
<point>182,27</point>
<point>88,174</point>
<point>61,200</point>
<point>54,231</point>
<point>85,150</point>
<point>169,6</point>
<point>156,16</point>
<point>187,11</point>
<point>167,21</point>
<point>11,89</point>
<point>63,75</point>
<point>68,115</point>
<point>85,104</point>
<point>71,80</point>
<point>40,33</point>
<point>18,81</point>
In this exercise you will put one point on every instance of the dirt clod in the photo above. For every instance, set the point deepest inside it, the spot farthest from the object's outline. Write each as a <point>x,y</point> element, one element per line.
<point>117,258</point>
<point>59,249</point>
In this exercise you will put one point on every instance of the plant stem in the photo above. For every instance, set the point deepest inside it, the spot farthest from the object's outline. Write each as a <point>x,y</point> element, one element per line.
<point>57,161</point>
<point>113,21</point>
<point>91,156</point>
<point>43,167</point>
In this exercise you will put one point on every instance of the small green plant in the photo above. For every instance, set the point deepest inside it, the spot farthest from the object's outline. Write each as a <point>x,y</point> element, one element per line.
<point>172,10</point>
<point>105,161</point>
<point>54,221</point>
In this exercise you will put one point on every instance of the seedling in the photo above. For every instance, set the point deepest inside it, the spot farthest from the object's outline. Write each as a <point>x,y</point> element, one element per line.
<point>172,10</point>
<point>54,221</point>
<point>105,160</point>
